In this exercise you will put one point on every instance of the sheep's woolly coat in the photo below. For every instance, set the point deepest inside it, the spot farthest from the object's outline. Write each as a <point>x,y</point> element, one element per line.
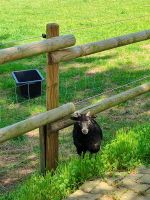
<point>90,142</point>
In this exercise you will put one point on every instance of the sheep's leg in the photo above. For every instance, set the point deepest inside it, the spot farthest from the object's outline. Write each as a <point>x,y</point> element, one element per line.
<point>83,154</point>
<point>92,155</point>
<point>79,151</point>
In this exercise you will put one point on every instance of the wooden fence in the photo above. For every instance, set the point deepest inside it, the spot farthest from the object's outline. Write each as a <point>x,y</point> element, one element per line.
<point>50,122</point>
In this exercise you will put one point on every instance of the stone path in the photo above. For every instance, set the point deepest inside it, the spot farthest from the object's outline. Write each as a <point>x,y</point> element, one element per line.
<point>122,186</point>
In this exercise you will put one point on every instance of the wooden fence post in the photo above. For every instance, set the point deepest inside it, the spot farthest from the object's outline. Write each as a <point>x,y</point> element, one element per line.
<point>49,154</point>
<point>52,100</point>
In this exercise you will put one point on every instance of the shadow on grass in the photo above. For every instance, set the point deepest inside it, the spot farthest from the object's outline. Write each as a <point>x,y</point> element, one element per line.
<point>17,171</point>
<point>98,59</point>
<point>80,83</point>
<point>75,83</point>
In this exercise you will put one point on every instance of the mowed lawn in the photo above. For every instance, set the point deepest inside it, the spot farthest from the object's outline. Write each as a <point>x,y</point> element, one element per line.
<point>80,78</point>
<point>88,21</point>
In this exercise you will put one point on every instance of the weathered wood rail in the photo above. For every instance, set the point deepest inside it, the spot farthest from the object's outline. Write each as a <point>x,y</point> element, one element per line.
<point>95,47</point>
<point>52,121</point>
<point>35,48</point>
<point>34,122</point>
<point>105,104</point>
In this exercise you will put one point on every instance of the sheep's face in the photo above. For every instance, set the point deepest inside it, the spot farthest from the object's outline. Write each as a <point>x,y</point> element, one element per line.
<point>84,121</point>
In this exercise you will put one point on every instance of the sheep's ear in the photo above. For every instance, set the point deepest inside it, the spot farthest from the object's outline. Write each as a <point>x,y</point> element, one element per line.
<point>75,116</point>
<point>88,114</point>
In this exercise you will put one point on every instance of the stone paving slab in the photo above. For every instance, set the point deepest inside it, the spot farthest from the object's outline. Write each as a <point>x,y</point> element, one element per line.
<point>79,194</point>
<point>129,195</point>
<point>119,192</point>
<point>145,179</point>
<point>120,186</point>
<point>139,188</point>
<point>143,170</point>
<point>90,185</point>
<point>148,191</point>
<point>102,188</point>
<point>105,197</point>
<point>116,178</point>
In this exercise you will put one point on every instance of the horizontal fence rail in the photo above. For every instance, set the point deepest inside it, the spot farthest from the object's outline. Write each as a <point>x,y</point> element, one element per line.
<point>56,114</point>
<point>34,122</point>
<point>95,47</point>
<point>35,48</point>
<point>105,104</point>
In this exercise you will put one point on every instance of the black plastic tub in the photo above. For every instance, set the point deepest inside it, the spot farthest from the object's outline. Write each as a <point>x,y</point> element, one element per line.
<point>28,83</point>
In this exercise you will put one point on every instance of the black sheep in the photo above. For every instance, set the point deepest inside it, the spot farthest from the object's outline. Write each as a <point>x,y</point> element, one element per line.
<point>87,134</point>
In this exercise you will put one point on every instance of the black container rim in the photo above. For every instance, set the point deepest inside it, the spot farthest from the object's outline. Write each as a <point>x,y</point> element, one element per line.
<point>27,82</point>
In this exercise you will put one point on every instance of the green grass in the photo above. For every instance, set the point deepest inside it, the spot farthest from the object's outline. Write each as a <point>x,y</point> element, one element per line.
<point>23,19</point>
<point>129,149</point>
<point>79,78</point>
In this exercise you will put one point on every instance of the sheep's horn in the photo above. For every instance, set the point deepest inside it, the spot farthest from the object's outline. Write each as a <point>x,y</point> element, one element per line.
<point>88,114</point>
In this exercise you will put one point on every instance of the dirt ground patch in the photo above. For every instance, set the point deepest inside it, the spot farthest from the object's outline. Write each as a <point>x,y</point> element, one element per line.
<point>18,159</point>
